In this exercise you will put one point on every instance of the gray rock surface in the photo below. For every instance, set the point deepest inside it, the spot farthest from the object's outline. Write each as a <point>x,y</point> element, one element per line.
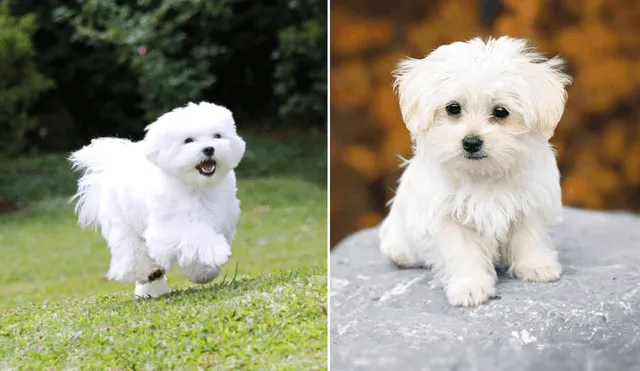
<point>385,318</point>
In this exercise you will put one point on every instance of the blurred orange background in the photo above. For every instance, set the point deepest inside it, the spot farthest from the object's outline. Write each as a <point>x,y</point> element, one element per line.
<point>598,138</point>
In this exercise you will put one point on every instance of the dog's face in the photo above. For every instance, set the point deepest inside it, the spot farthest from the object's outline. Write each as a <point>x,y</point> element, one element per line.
<point>197,143</point>
<point>478,106</point>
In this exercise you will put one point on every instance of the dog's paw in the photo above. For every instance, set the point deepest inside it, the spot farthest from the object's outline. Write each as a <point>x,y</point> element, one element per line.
<point>221,256</point>
<point>212,252</point>
<point>200,274</point>
<point>468,292</point>
<point>214,256</point>
<point>404,261</point>
<point>402,258</point>
<point>546,270</point>
<point>153,289</point>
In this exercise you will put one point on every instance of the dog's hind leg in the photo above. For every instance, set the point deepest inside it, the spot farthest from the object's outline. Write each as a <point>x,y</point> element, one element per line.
<point>130,261</point>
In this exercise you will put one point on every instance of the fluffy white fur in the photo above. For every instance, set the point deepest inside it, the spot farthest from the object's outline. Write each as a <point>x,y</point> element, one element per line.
<point>154,207</point>
<point>461,214</point>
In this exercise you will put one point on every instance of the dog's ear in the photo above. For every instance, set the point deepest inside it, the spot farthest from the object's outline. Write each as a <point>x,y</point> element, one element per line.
<point>150,151</point>
<point>238,147</point>
<point>417,83</point>
<point>548,83</point>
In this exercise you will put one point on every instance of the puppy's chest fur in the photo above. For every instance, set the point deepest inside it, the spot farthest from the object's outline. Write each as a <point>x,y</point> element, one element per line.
<point>491,211</point>
<point>218,211</point>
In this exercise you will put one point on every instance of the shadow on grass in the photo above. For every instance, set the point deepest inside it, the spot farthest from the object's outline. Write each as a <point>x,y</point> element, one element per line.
<point>232,285</point>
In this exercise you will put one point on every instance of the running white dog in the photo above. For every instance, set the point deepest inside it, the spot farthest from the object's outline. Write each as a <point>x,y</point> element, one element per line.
<point>483,184</point>
<point>168,199</point>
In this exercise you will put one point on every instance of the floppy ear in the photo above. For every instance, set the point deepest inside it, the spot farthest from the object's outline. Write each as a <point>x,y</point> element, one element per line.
<point>419,83</point>
<point>151,152</point>
<point>413,83</point>
<point>548,94</point>
<point>238,147</point>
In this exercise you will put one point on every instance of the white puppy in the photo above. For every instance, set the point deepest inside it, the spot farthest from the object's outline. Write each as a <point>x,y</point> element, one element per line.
<point>168,199</point>
<point>483,184</point>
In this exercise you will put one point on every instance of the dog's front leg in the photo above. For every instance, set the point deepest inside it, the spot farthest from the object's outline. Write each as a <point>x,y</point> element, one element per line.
<point>199,273</point>
<point>187,245</point>
<point>464,263</point>
<point>530,253</point>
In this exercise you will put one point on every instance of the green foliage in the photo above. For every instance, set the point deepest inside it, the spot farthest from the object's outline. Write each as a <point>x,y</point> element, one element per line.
<point>187,50</point>
<point>20,81</point>
<point>150,37</point>
<point>93,96</point>
<point>301,82</point>
<point>266,61</point>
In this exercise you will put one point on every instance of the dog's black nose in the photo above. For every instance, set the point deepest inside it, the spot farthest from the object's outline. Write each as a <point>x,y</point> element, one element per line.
<point>208,151</point>
<point>472,144</point>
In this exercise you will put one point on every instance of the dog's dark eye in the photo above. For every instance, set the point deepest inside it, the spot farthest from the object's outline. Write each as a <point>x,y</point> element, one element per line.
<point>453,109</point>
<point>217,136</point>
<point>188,140</point>
<point>500,112</point>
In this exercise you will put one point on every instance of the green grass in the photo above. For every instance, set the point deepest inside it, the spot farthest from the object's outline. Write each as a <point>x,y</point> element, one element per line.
<point>273,321</point>
<point>58,311</point>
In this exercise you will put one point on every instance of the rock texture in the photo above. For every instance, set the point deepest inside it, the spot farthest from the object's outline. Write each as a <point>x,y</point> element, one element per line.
<point>385,318</point>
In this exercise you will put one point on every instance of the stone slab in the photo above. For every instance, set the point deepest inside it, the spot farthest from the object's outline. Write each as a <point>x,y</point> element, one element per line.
<point>385,318</point>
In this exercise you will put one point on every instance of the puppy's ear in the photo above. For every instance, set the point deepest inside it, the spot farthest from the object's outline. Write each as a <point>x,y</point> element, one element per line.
<point>548,83</point>
<point>417,83</point>
<point>151,152</point>
<point>238,147</point>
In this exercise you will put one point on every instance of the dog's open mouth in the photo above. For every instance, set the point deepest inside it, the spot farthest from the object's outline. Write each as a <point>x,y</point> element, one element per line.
<point>207,167</point>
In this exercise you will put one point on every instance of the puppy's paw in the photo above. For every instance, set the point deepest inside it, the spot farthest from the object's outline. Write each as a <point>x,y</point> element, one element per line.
<point>542,270</point>
<point>401,257</point>
<point>470,291</point>
<point>403,260</point>
<point>200,274</point>
<point>221,256</point>
<point>153,289</point>
<point>212,252</point>
<point>217,254</point>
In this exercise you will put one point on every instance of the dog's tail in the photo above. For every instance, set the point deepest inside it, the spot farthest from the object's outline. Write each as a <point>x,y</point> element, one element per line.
<point>94,161</point>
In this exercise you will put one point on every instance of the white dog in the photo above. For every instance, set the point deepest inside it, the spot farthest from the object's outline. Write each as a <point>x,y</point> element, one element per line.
<point>168,199</point>
<point>483,184</point>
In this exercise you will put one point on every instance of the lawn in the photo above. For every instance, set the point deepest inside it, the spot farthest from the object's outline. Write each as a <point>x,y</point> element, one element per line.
<point>56,309</point>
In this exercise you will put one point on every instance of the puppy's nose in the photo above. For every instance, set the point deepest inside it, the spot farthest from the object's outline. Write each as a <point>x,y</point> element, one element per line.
<point>208,151</point>
<point>472,144</point>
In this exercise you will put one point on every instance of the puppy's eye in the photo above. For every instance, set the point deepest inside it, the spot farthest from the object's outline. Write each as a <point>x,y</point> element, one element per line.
<point>500,112</point>
<point>217,136</point>
<point>453,109</point>
<point>188,140</point>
